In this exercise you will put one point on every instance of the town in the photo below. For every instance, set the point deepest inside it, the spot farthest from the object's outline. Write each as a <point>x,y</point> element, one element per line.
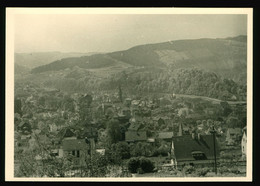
<point>112,134</point>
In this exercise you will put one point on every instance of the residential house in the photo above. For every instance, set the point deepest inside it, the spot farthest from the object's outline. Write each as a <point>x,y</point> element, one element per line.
<point>135,103</point>
<point>166,136</point>
<point>128,102</point>
<point>23,142</point>
<point>68,133</point>
<point>53,127</point>
<point>76,150</point>
<point>150,105</point>
<point>135,136</point>
<point>194,149</point>
<point>161,121</point>
<point>58,153</point>
<point>151,140</point>
<point>126,111</point>
<point>24,127</point>
<point>183,130</point>
<point>135,126</point>
<point>233,136</point>
<point>88,132</point>
<point>244,143</point>
<point>101,151</point>
<point>124,115</point>
<point>158,120</point>
<point>136,117</point>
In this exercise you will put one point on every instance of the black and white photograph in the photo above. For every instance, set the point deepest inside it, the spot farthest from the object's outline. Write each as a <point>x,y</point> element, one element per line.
<point>129,94</point>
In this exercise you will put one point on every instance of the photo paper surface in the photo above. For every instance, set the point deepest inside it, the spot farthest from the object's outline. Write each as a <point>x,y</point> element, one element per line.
<point>129,94</point>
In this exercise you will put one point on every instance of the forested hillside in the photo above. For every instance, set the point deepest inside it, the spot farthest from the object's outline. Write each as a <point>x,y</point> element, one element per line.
<point>226,57</point>
<point>181,81</point>
<point>214,68</point>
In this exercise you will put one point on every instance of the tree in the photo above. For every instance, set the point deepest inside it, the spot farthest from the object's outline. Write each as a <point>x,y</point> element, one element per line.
<point>41,101</point>
<point>142,164</point>
<point>146,164</point>
<point>36,161</point>
<point>122,149</point>
<point>18,106</point>
<point>120,93</point>
<point>96,166</point>
<point>113,131</point>
<point>226,108</point>
<point>233,122</point>
<point>133,164</point>
<point>85,113</point>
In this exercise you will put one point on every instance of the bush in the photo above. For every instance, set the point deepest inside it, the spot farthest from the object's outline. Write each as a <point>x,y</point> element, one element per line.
<point>234,170</point>
<point>140,171</point>
<point>140,165</point>
<point>133,164</point>
<point>146,164</point>
<point>188,169</point>
<point>162,150</point>
<point>223,170</point>
<point>203,171</point>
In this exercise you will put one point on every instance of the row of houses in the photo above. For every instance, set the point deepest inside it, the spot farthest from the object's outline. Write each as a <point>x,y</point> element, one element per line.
<point>186,147</point>
<point>189,147</point>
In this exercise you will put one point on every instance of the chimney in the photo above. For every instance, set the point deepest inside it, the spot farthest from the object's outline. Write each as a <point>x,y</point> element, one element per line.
<point>180,130</point>
<point>199,136</point>
<point>193,135</point>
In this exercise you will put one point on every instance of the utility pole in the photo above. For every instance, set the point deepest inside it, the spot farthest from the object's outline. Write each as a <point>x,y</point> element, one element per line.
<point>214,146</point>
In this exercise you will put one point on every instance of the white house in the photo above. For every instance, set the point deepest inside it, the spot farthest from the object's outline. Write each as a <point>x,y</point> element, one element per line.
<point>244,143</point>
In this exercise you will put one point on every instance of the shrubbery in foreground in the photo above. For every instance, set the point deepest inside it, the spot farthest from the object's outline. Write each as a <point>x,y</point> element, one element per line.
<point>140,165</point>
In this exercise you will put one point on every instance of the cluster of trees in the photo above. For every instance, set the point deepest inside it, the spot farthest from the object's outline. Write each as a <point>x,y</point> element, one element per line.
<point>140,165</point>
<point>181,81</point>
<point>75,85</point>
<point>192,81</point>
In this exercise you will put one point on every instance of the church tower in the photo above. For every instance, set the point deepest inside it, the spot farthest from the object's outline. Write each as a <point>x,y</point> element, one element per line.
<point>180,130</point>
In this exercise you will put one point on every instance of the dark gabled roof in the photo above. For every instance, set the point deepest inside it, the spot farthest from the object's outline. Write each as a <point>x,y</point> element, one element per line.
<point>74,144</point>
<point>65,132</point>
<point>135,126</point>
<point>185,145</point>
<point>135,136</point>
<point>68,133</point>
<point>165,135</point>
<point>90,132</point>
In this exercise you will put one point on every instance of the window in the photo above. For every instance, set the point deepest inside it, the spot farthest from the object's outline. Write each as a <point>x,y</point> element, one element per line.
<point>77,153</point>
<point>198,155</point>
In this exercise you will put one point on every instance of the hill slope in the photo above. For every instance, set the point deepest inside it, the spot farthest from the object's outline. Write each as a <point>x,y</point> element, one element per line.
<point>226,57</point>
<point>32,60</point>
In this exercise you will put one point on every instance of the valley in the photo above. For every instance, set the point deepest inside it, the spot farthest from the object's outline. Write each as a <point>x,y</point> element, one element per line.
<point>152,110</point>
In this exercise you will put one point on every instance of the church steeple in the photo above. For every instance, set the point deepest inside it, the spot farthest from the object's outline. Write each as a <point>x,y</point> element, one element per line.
<point>180,130</point>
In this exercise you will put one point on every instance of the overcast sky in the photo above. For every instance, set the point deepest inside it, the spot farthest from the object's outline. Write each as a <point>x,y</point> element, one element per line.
<point>107,33</point>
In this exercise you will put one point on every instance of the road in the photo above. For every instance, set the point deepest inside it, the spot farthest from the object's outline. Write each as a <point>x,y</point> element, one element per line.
<point>216,101</point>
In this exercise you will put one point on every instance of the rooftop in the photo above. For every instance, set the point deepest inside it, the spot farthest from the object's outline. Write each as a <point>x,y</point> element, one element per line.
<point>74,144</point>
<point>135,136</point>
<point>184,146</point>
<point>165,135</point>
